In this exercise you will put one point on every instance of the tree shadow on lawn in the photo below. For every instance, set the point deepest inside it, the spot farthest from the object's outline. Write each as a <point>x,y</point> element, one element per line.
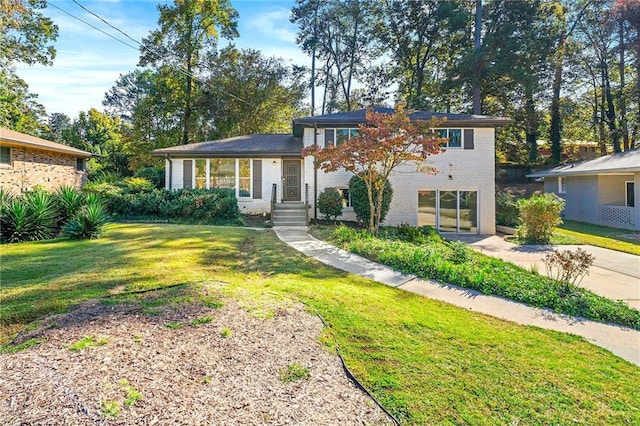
<point>45,277</point>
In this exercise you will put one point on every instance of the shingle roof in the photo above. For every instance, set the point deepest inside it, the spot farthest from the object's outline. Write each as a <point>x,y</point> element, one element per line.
<point>265,145</point>
<point>359,116</point>
<point>21,139</point>
<point>628,161</point>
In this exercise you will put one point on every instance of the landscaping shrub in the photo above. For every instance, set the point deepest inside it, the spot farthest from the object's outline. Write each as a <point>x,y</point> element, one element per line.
<point>136,185</point>
<point>360,199</point>
<point>154,175</point>
<point>454,263</point>
<point>87,223</point>
<point>69,201</point>
<point>28,218</point>
<point>507,213</point>
<point>39,215</point>
<point>568,267</point>
<point>330,203</point>
<point>540,215</point>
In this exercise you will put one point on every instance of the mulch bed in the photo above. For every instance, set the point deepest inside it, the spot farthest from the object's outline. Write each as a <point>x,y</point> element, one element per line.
<point>191,375</point>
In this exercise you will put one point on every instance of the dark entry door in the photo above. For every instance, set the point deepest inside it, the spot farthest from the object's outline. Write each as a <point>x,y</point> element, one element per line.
<point>291,181</point>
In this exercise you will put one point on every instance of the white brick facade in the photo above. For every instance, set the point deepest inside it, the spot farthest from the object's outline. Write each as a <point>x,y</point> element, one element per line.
<point>457,169</point>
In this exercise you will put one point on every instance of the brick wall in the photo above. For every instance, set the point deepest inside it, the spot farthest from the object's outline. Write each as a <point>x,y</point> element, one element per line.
<point>33,167</point>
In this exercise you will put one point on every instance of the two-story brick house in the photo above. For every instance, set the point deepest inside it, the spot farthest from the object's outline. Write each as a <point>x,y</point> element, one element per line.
<point>269,173</point>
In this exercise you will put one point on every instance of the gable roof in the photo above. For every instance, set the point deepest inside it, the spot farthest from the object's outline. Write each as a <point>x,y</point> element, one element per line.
<point>359,117</point>
<point>11,137</point>
<point>263,145</point>
<point>628,161</point>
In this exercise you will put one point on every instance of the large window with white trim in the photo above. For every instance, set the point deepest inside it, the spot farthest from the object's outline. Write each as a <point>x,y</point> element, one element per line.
<point>449,211</point>
<point>229,173</point>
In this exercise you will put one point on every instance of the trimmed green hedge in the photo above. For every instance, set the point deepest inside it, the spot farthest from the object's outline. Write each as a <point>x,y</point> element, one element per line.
<point>127,201</point>
<point>431,257</point>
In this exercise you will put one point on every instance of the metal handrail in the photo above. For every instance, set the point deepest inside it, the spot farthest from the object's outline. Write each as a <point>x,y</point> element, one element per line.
<point>306,202</point>
<point>274,197</point>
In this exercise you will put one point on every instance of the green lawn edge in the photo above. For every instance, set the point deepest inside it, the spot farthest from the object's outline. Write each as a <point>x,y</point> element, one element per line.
<point>428,362</point>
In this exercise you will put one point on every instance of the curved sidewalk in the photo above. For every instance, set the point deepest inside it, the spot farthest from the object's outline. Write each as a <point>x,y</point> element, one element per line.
<point>622,341</point>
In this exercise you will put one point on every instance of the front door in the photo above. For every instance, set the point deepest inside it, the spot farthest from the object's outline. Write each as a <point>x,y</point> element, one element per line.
<point>291,180</point>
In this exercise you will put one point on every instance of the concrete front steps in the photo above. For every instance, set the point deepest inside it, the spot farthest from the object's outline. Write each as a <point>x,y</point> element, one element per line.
<point>289,214</point>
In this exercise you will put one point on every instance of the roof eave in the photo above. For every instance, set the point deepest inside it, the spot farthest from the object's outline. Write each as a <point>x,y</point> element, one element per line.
<point>584,172</point>
<point>468,123</point>
<point>252,154</point>
<point>77,153</point>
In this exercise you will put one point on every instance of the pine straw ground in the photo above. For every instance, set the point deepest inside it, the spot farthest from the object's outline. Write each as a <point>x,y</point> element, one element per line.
<point>190,365</point>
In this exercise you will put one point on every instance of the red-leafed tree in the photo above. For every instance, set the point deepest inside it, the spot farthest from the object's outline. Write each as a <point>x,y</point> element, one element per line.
<point>384,143</point>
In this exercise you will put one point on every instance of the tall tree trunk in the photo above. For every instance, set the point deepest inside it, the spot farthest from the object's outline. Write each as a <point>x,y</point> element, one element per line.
<point>531,126</point>
<point>611,112</point>
<point>556,121</point>
<point>623,101</point>
<point>477,104</point>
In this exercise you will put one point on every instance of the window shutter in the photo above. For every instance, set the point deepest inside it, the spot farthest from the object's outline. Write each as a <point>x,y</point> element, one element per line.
<point>187,173</point>
<point>468,139</point>
<point>257,179</point>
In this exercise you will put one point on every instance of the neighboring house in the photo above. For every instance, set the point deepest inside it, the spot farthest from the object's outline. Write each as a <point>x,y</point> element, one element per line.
<point>603,191</point>
<point>268,172</point>
<point>27,161</point>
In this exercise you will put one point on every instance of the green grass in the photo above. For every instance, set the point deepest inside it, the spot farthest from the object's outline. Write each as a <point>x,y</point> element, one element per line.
<point>429,256</point>
<point>428,362</point>
<point>88,342</point>
<point>571,232</point>
<point>294,373</point>
<point>110,409</point>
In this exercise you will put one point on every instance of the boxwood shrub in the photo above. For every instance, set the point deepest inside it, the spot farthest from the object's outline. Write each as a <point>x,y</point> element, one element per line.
<point>453,263</point>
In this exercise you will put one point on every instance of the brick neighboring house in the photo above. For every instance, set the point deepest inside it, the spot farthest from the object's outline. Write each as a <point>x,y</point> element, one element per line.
<point>27,161</point>
<point>270,175</point>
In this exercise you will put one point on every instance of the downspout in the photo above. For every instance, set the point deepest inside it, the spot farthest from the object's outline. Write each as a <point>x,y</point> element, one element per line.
<point>315,173</point>
<point>170,171</point>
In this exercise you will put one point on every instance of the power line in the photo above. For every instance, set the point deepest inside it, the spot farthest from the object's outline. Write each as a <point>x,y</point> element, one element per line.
<point>179,68</point>
<point>92,26</point>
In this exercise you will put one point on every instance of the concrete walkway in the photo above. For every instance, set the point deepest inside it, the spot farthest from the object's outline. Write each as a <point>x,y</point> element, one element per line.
<point>614,274</point>
<point>622,341</point>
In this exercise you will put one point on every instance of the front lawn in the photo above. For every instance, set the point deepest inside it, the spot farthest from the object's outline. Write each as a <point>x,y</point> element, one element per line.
<point>428,362</point>
<point>571,232</point>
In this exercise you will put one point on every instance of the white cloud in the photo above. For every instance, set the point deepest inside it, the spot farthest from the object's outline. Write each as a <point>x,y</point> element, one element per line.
<point>274,24</point>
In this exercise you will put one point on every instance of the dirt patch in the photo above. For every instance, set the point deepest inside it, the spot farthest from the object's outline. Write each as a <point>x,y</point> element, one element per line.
<point>190,365</point>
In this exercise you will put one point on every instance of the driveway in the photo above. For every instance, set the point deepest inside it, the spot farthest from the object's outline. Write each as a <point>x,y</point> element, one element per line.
<point>614,274</point>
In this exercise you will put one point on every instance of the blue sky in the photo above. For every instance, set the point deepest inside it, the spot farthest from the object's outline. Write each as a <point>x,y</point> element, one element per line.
<point>88,62</point>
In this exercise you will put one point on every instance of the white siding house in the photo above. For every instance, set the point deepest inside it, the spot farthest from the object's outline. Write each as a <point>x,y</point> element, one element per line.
<point>603,191</point>
<point>266,169</point>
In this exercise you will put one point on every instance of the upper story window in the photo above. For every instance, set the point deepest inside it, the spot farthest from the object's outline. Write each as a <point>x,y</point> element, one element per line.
<point>562,185</point>
<point>335,137</point>
<point>80,164</point>
<point>5,155</point>
<point>454,135</point>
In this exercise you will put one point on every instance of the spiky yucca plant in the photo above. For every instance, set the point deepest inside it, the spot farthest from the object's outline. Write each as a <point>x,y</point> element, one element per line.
<point>87,223</point>
<point>69,202</point>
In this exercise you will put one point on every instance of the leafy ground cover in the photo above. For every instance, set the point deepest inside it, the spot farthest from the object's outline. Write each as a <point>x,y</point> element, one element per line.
<point>429,256</point>
<point>426,361</point>
<point>571,232</point>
